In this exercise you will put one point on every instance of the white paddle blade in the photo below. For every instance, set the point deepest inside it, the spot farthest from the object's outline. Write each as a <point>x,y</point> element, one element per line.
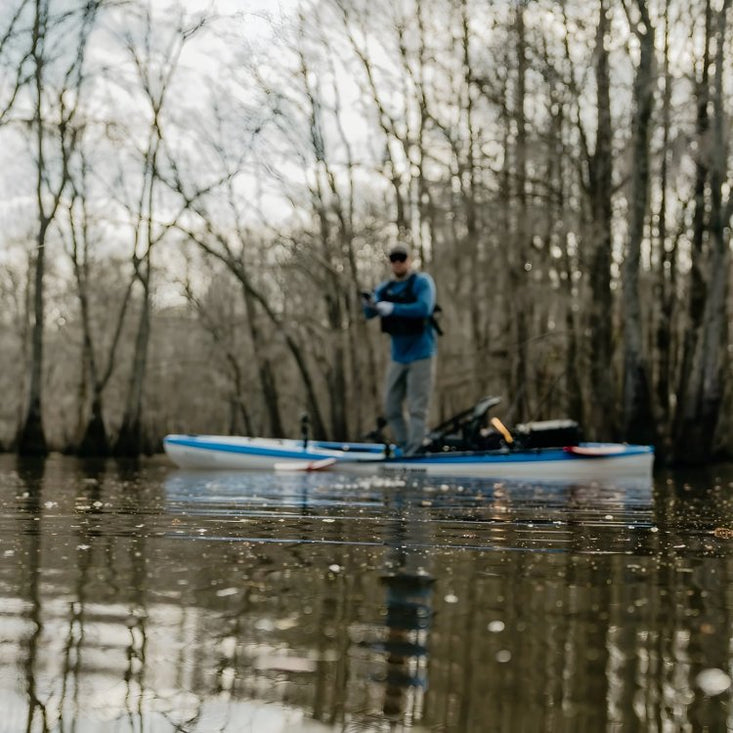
<point>301,466</point>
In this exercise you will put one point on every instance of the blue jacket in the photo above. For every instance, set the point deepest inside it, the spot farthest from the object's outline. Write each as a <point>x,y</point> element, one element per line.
<point>411,347</point>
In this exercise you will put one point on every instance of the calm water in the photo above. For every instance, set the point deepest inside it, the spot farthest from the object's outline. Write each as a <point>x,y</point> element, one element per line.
<point>143,598</point>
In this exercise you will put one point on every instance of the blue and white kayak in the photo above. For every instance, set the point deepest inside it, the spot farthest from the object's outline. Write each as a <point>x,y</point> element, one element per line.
<point>583,462</point>
<point>264,454</point>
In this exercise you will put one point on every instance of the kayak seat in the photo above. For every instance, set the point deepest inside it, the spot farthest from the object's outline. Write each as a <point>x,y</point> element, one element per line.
<point>474,428</point>
<point>464,431</point>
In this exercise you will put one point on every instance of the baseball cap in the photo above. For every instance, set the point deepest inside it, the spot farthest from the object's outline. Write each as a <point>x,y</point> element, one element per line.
<point>399,249</point>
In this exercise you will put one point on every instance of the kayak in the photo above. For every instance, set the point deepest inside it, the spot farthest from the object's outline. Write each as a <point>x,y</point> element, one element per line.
<point>232,452</point>
<point>582,461</point>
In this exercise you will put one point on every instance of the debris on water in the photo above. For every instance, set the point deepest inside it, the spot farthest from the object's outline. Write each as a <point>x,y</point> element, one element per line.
<point>654,529</point>
<point>226,679</point>
<point>224,592</point>
<point>495,626</point>
<point>608,516</point>
<point>50,504</point>
<point>284,663</point>
<point>334,568</point>
<point>723,533</point>
<point>451,598</point>
<point>228,646</point>
<point>289,622</point>
<point>503,656</point>
<point>713,681</point>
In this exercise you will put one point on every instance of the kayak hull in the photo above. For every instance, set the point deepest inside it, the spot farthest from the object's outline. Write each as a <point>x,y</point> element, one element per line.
<point>547,464</point>
<point>258,454</point>
<point>587,462</point>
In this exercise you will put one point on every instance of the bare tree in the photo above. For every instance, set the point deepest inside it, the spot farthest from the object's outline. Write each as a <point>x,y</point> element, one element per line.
<point>666,259</point>
<point>221,328</point>
<point>599,187</point>
<point>701,391</point>
<point>96,368</point>
<point>518,263</point>
<point>154,70</point>
<point>15,58</point>
<point>638,419</point>
<point>55,110</point>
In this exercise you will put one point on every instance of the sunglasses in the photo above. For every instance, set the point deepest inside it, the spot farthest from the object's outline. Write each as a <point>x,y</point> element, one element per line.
<point>397,258</point>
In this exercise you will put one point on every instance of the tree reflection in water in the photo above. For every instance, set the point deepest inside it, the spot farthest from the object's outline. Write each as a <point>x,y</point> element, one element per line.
<point>30,474</point>
<point>311,604</point>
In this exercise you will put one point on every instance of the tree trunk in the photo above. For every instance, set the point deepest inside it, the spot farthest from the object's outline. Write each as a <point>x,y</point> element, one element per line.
<point>520,277</point>
<point>666,274</point>
<point>600,179</point>
<point>703,397</point>
<point>31,437</point>
<point>94,441</point>
<point>264,368</point>
<point>91,431</point>
<point>638,420</point>
<point>130,439</point>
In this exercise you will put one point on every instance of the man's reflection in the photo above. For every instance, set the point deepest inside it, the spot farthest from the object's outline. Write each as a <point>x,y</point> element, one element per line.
<point>408,597</point>
<point>409,613</point>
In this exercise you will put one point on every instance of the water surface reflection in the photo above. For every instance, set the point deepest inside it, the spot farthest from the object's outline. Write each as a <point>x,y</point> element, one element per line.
<point>138,597</point>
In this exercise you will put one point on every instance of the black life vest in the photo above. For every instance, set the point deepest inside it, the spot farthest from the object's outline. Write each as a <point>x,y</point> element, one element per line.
<point>402,325</point>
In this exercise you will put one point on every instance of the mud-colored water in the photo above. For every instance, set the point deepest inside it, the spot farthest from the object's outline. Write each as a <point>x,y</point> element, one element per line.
<point>142,598</point>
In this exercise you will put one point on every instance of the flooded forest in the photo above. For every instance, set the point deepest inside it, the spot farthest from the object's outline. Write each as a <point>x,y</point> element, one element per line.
<point>194,195</point>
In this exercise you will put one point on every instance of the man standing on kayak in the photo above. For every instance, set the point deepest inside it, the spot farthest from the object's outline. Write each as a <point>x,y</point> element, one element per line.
<point>405,305</point>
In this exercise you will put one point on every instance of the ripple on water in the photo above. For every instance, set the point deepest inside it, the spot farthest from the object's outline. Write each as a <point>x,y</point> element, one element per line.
<point>470,514</point>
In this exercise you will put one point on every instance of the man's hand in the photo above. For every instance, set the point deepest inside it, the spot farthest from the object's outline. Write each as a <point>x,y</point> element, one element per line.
<point>384,308</point>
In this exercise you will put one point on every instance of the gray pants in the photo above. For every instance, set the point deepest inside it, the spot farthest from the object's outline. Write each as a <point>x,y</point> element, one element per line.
<point>413,383</point>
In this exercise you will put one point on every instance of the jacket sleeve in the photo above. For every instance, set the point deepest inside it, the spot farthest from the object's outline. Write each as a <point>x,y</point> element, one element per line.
<point>424,289</point>
<point>368,310</point>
